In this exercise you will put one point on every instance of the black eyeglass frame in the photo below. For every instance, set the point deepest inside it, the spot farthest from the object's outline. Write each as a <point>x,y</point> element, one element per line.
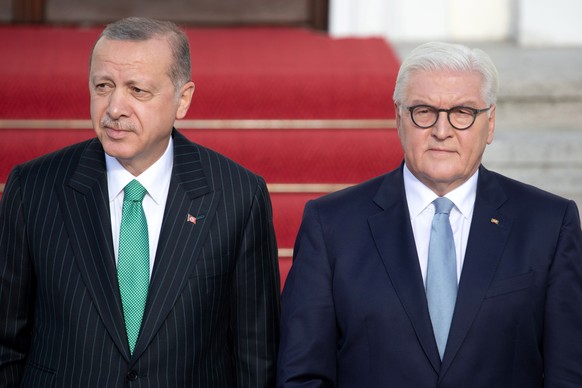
<point>474,112</point>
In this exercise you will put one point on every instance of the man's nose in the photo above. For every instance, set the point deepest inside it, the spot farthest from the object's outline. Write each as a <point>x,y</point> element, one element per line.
<point>118,105</point>
<point>442,128</point>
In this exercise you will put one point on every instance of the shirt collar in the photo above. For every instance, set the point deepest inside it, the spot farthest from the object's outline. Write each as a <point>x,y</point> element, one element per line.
<point>118,177</point>
<point>420,196</point>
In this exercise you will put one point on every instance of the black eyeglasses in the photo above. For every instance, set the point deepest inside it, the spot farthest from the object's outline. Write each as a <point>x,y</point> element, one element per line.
<point>460,117</point>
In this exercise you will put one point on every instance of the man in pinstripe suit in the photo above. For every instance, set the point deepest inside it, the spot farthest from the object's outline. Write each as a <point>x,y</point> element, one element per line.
<point>211,316</point>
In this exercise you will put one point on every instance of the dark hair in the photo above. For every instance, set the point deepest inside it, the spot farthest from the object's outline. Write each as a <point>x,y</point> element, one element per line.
<point>142,29</point>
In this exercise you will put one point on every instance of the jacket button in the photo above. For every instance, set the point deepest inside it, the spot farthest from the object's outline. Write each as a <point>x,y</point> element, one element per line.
<point>132,375</point>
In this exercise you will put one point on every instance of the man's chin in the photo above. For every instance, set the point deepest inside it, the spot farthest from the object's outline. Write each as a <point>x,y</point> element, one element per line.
<point>117,151</point>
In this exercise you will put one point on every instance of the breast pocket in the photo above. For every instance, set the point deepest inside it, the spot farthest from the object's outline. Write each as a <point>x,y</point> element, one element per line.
<point>510,285</point>
<point>38,376</point>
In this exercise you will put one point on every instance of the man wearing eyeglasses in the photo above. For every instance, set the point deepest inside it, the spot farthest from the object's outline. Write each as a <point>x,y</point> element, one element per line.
<point>440,273</point>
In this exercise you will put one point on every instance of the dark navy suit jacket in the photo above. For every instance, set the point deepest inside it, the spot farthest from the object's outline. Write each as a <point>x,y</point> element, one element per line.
<point>211,318</point>
<point>354,311</point>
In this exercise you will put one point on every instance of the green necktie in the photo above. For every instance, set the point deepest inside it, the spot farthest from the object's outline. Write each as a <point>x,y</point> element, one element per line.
<point>133,265</point>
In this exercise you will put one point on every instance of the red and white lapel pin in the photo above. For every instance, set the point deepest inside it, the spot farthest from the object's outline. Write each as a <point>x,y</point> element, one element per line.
<point>192,219</point>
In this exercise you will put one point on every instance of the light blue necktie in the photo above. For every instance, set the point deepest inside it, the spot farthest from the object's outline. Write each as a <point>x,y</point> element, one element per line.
<point>441,277</point>
<point>133,264</point>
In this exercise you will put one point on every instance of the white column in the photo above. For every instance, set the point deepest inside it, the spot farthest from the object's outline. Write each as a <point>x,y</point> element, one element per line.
<point>550,23</point>
<point>476,20</point>
<point>422,20</point>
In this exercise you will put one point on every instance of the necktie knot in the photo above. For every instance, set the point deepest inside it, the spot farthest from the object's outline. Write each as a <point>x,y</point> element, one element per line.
<point>134,191</point>
<point>443,205</point>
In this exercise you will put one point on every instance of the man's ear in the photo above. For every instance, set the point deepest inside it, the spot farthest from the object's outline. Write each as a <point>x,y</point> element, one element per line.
<point>397,112</point>
<point>491,124</point>
<point>398,116</point>
<point>185,98</point>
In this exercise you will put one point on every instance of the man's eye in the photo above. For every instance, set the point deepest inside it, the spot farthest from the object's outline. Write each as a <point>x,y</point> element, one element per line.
<point>422,110</point>
<point>139,91</point>
<point>141,94</point>
<point>102,87</point>
<point>464,111</point>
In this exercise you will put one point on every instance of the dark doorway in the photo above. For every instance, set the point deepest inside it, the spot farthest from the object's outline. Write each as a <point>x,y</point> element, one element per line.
<point>307,13</point>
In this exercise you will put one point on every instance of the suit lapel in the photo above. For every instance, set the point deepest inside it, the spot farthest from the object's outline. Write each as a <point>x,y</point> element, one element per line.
<point>395,242</point>
<point>394,239</point>
<point>86,215</point>
<point>180,240</point>
<point>489,232</point>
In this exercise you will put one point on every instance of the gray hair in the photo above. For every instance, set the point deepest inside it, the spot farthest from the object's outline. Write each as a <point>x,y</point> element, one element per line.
<point>437,56</point>
<point>139,29</point>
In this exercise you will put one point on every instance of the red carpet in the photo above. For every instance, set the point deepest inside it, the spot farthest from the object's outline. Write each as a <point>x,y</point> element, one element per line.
<point>239,73</point>
<point>277,74</point>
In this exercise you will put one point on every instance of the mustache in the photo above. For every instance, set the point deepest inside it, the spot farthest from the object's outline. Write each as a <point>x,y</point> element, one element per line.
<point>124,125</point>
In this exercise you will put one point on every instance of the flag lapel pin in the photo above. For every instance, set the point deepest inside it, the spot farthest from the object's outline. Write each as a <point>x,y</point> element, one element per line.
<point>193,219</point>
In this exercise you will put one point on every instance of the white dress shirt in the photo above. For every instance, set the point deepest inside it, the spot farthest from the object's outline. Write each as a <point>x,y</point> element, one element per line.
<point>419,199</point>
<point>156,181</point>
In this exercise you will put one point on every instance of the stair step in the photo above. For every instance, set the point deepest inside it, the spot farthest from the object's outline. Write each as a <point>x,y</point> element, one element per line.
<point>280,156</point>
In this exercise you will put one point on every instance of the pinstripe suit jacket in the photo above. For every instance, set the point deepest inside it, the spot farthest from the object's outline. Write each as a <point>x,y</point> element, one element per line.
<point>211,318</point>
